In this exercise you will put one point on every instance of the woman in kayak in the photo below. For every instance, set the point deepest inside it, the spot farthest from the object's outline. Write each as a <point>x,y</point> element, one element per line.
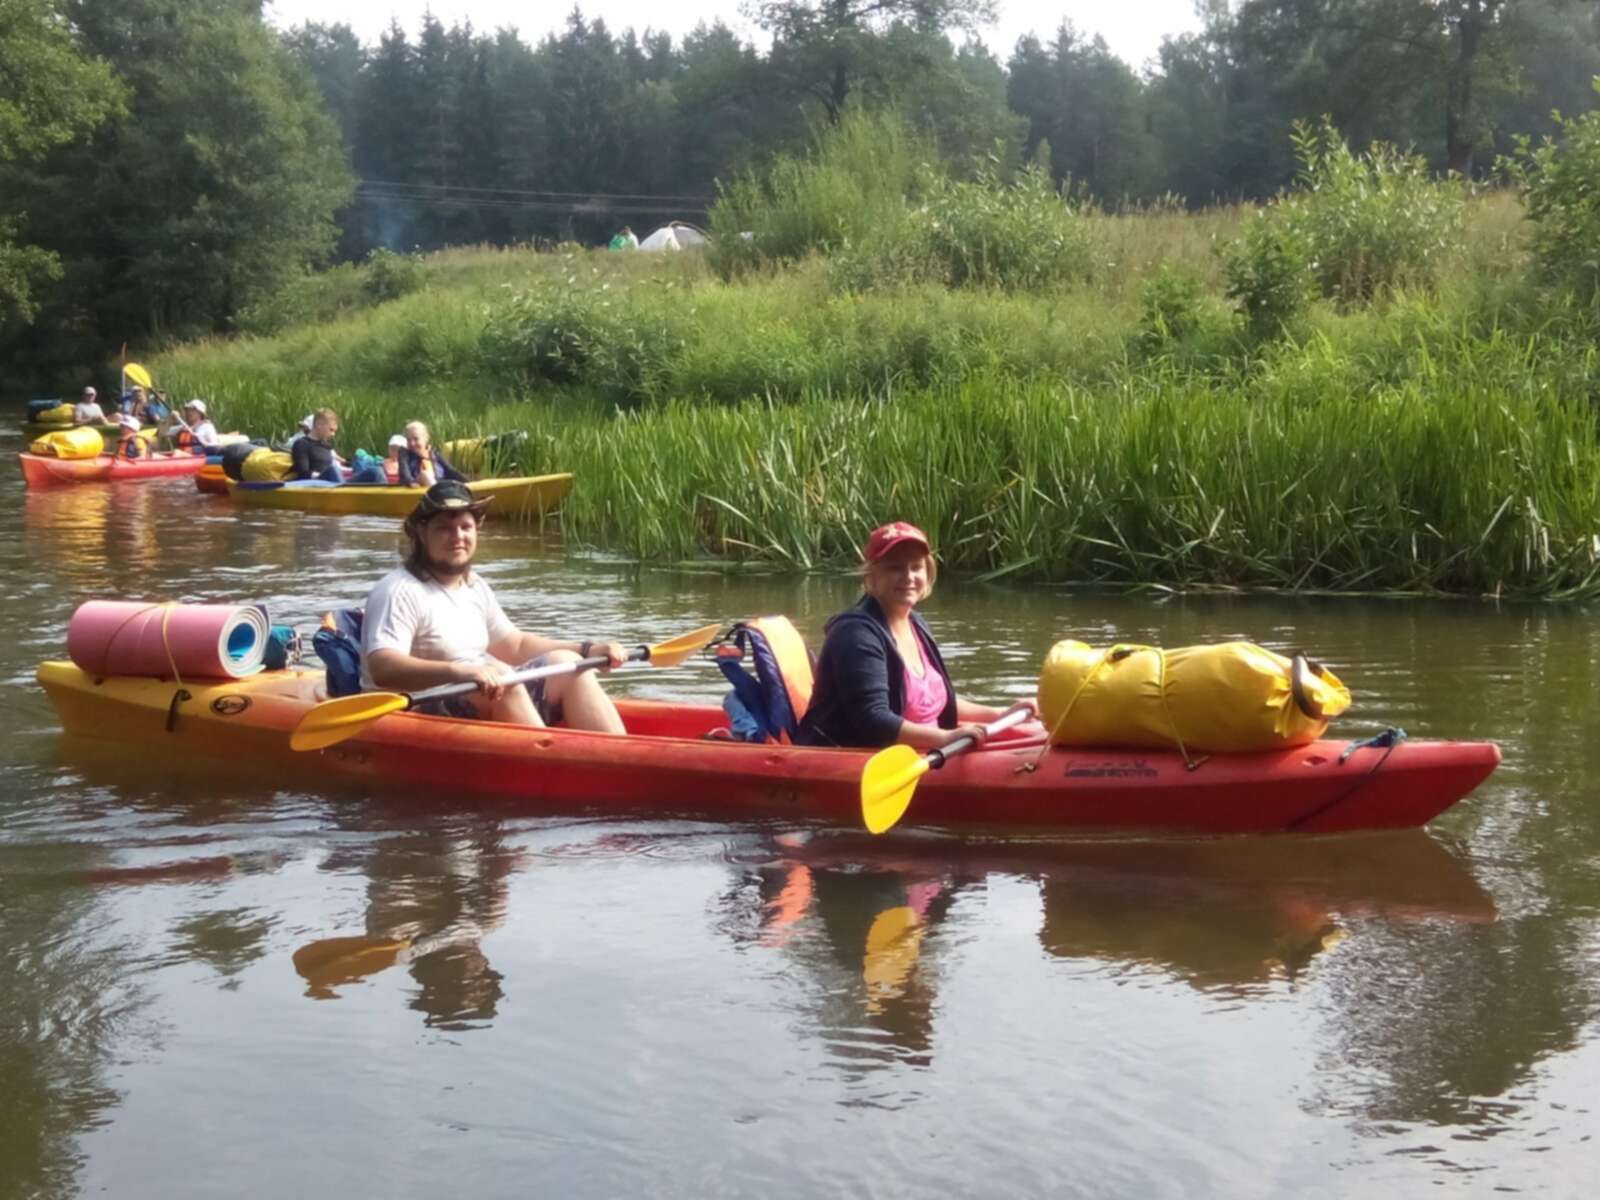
<point>880,677</point>
<point>421,464</point>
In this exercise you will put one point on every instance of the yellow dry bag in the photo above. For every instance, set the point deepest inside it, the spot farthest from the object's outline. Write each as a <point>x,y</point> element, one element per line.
<point>61,414</point>
<point>82,442</point>
<point>1231,697</point>
<point>267,466</point>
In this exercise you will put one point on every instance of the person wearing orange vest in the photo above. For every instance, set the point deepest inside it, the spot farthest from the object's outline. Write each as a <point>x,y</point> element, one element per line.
<point>131,442</point>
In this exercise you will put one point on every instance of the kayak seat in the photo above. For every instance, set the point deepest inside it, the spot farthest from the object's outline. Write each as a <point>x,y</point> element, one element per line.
<point>771,694</point>
<point>338,645</point>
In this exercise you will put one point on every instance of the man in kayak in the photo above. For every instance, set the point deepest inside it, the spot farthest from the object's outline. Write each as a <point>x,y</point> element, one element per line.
<point>88,411</point>
<point>313,455</point>
<point>434,620</point>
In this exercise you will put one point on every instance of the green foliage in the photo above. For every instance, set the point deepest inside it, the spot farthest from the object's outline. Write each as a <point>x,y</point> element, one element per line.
<point>390,276</point>
<point>1268,273</point>
<point>1172,307</point>
<point>1560,181</point>
<point>873,197</point>
<point>1373,223</point>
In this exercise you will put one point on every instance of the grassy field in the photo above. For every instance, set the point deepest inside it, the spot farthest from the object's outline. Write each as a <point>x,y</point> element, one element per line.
<point>1436,441</point>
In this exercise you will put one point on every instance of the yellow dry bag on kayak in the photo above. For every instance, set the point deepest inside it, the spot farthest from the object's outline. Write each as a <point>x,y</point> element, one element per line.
<point>1202,699</point>
<point>61,414</point>
<point>70,443</point>
<point>267,466</point>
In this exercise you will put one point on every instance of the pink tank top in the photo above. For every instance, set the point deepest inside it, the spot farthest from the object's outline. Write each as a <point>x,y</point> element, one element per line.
<point>925,697</point>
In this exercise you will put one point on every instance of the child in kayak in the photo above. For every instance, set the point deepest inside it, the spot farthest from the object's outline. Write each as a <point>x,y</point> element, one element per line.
<point>131,443</point>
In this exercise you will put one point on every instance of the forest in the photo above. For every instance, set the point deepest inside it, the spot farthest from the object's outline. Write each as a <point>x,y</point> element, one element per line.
<point>166,166</point>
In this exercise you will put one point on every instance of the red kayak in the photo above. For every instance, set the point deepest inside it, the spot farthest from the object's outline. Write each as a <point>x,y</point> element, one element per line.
<point>40,470</point>
<point>669,765</point>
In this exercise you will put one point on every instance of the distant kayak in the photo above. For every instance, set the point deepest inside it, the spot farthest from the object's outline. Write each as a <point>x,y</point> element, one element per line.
<point>34,429</point>
<point>526,498</point>
<point>668,765</point>
<point>40,471</point>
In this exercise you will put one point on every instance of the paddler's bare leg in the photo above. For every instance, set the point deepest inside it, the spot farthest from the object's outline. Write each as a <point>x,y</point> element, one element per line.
<point>584,703</point>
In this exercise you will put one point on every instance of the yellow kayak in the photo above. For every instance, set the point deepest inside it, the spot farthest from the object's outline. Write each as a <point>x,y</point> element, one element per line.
<point>524,499</point>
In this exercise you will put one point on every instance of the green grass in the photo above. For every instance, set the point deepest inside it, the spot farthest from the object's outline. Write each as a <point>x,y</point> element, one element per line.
<point>1441,440</point>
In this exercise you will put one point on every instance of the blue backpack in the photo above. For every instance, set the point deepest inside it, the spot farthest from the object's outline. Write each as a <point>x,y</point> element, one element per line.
<point>338,645</point>
<point>768,700</point>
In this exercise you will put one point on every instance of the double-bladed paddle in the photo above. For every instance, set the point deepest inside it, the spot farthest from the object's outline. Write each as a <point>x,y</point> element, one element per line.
<point>890,777</point>
<point>334,720</point>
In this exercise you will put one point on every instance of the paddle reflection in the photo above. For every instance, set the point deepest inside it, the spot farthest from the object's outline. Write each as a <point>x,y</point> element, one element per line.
<point>432,895</point>
<point>864,936</point>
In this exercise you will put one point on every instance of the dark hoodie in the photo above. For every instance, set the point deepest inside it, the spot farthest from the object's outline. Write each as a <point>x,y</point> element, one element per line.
<point>860,689</point>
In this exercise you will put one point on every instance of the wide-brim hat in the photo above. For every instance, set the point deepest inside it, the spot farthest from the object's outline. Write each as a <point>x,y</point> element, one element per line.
<point>127,421</point>
<point>896,533</point>
<point>447,496</point>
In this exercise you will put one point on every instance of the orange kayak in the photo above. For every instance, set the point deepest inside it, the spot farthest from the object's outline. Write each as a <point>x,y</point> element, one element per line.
<point>668,764</point>
<point>42,471</point>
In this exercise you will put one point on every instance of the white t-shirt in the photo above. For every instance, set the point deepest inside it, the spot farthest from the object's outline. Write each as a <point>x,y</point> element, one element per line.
<point>205,433</point>
<point>87,412</point>
<point>425,619</point>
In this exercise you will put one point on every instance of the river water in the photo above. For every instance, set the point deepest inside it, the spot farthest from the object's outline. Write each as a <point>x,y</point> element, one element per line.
<point>539,1003</point>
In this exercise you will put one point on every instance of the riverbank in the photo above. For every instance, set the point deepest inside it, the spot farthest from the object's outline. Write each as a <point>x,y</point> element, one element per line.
<point>1126,430</point>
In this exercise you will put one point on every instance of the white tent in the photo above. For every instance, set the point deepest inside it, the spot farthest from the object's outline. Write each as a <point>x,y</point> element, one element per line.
<point>675,235</point>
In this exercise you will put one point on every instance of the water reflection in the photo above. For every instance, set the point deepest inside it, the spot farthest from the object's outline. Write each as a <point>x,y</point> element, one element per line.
<point>432,895</point>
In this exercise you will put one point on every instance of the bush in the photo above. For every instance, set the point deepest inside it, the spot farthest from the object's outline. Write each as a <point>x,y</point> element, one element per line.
<point>1267,273</point>
<point>986,234</point>
<point>1558,181</point>
<point>581,332</point>
<point>1373,223</point>
<point>1171,306</point>
<point>390,276</point>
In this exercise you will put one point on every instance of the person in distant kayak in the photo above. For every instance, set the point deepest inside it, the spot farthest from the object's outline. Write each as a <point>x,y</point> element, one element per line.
<point>421,464</point>
<point>194,431</point>
<point>87,411</point>
<point>313,455</point>
<point>131,442</point>
<point>391,462</point>
<point>880,678</point>
<point>434,620</point>
<point>134,404</point>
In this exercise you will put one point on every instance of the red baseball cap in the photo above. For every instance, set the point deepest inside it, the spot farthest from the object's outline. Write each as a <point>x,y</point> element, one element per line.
<point>886,537</point>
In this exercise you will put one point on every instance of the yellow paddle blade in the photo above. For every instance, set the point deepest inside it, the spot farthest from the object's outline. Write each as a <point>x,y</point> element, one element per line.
<point>887,783</point>
<point>327,963</point>
<point>893,945</point>
<point>671,653</point>
<point>334,720</point>
<point>138,375</point>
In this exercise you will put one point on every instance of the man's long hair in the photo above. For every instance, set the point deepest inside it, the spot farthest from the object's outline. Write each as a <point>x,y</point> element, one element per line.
<point>414,550</point>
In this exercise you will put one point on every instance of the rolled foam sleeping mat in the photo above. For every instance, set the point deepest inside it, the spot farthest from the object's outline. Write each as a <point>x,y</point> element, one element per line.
<point>195,641</point>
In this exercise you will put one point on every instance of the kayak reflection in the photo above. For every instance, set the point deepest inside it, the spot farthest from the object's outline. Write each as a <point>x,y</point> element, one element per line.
<point>432,895</point>
<point>1236,916</point>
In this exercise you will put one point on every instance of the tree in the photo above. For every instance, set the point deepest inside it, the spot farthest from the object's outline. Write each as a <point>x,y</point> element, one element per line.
<point>51,92</point>
<point>823,47</point>
<point>217,181</point>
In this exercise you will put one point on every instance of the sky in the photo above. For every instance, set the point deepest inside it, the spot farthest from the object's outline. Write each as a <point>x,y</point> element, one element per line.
<point>1132,28</point>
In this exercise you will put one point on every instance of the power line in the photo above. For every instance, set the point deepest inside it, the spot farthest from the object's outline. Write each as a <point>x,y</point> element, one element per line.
<point>495,191</point>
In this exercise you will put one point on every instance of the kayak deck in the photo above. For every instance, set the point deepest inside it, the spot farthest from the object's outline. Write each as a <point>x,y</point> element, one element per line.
<point>40,470</point>
<point>667,764</point>
<point>521,498</point>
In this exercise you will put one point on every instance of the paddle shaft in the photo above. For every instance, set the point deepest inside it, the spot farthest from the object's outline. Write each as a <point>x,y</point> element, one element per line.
<point>638,654</point>
<point>1015,716</point>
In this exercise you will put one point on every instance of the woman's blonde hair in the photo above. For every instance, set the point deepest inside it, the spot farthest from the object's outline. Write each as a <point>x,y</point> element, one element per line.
<point>422,431</point>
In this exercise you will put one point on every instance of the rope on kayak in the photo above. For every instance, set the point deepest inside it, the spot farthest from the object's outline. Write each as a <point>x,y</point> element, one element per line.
<point>1385,741</point>
<point>1117,654</point>
<point>178,697</point>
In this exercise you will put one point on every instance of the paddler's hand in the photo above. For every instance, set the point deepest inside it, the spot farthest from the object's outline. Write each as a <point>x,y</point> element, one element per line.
<point>614,652</point>
<point>979,733</point>
<point>489,677</point>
